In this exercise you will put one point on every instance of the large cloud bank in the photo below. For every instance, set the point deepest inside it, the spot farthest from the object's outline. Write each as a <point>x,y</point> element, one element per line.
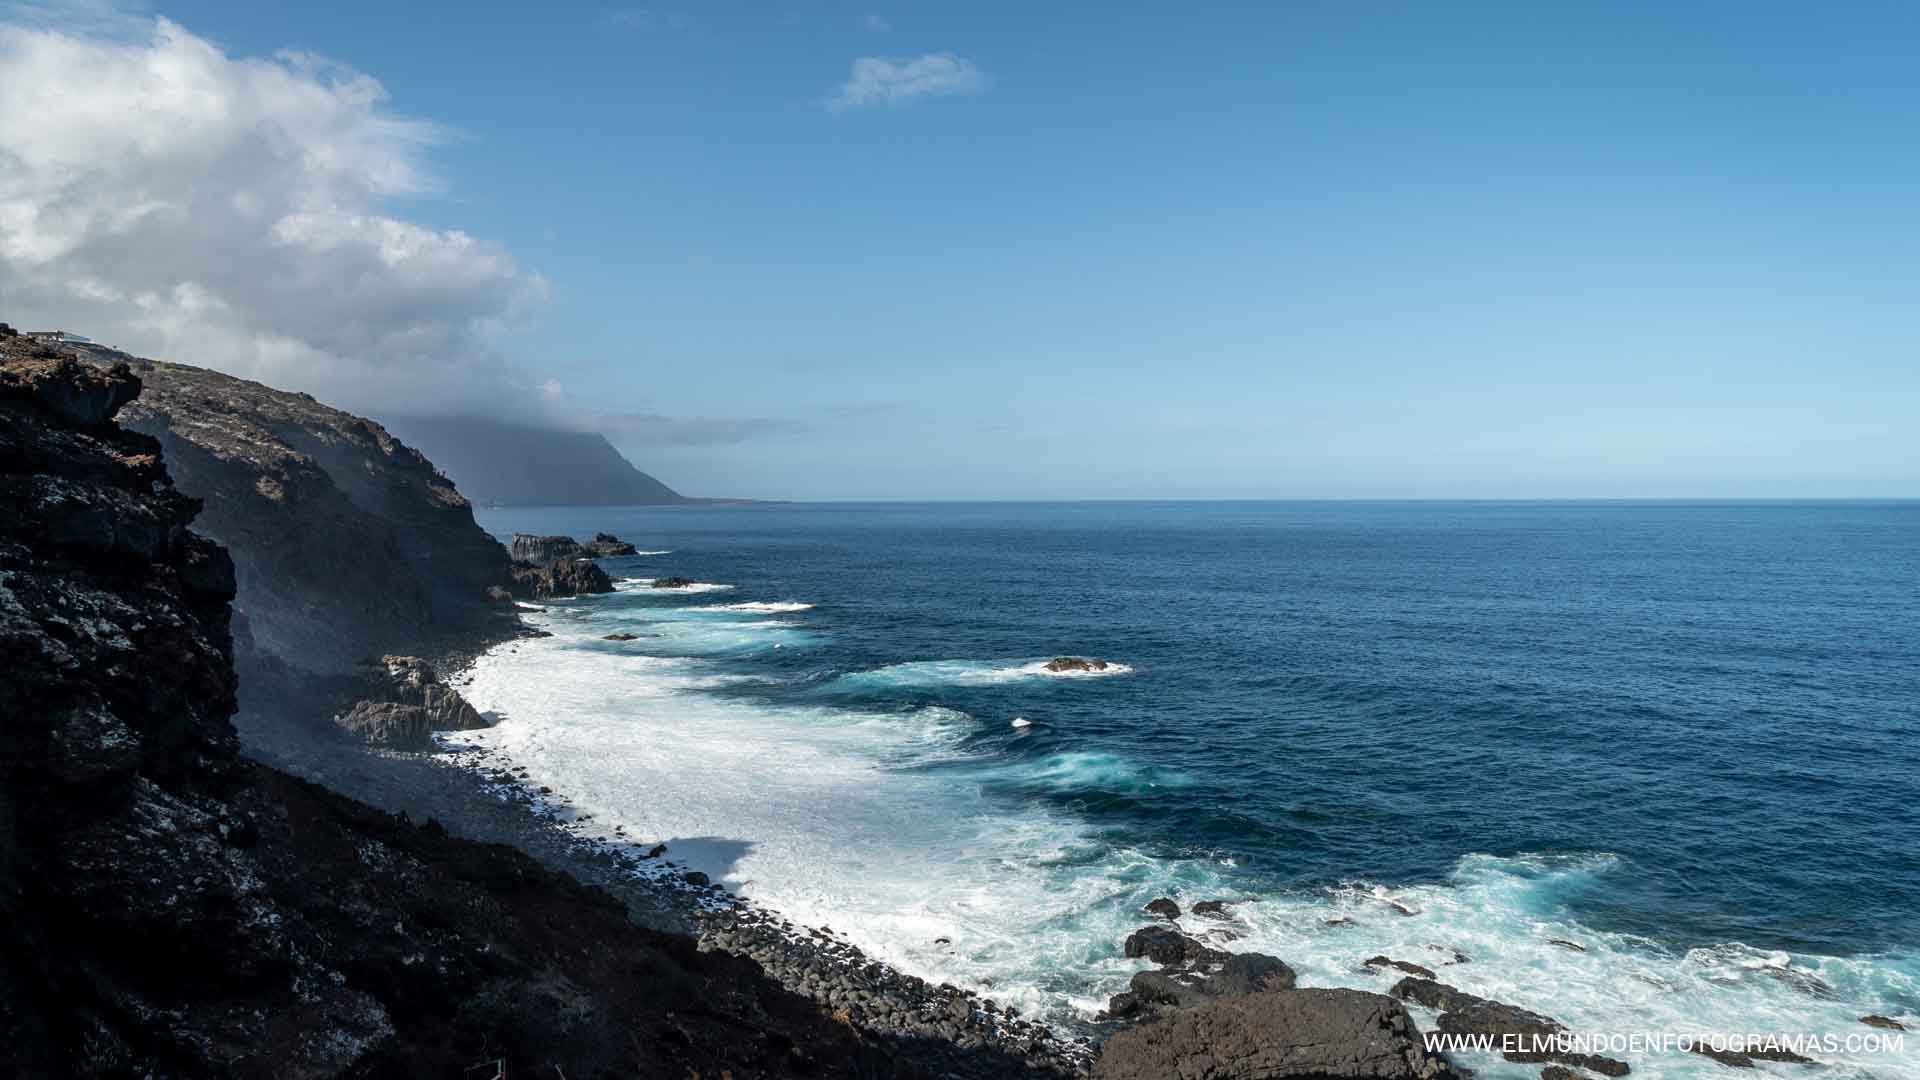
<point>161,195</point>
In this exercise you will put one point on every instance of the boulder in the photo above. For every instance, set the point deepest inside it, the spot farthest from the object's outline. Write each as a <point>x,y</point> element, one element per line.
<point>409,680</point>
<point>1164,908</point>
<point>1163,945</point>
<point>672,582</point>
<point>1076,663</point>
<point>389,725</point>
<point>1213,909</point>
<point>540,550</point>
<point>565,577</point>
<point>1278,1034</point>
<point>1216,975</point>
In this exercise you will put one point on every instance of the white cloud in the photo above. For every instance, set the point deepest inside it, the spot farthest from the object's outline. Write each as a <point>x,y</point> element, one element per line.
<point>876,23</point>
<point>880,80</point>
<point>163,196</point>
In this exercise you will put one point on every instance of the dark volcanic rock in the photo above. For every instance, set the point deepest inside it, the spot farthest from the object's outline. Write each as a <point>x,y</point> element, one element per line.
<point>1164,908</point>
<point>174,911</point>
<point>621,637</point>
<point>1215,909</point>
<point>672,582</point>
<point>609,546</point>
<point>541,550</point>
<point>567,577</point>
<point>1276,1035</point>
<point>1462,1013</point>
<point>389,725</point>
<point>1402,965</point>
<point>1886,1022</point>
<point>1076,663</point>
<point>409,680</point>
<point>1214,975</point>
<point>1162,945</point>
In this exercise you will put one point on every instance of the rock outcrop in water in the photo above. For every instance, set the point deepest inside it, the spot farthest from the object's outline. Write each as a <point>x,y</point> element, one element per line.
<point>609,546</point>
<point>560,578</point>
<point>539,550</point>
<point>1076,663</point>
<point>1462,1013</point>
<point>1239,1016</point>
<point>172,910</point>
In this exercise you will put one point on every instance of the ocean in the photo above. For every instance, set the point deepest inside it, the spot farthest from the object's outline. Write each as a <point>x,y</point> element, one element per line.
<point>1684,737</point>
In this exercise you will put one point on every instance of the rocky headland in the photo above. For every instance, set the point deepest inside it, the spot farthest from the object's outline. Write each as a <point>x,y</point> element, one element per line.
<point>180,910</point>
<point>547,567</point>
<point>175,910</point>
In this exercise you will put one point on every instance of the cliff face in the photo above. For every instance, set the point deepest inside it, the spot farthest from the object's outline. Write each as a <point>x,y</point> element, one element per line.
<point>170,910</point>
<point>346,542</point>
<point>522,466</point>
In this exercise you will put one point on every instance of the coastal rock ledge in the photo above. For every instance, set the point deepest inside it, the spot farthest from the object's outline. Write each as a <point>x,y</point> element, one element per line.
<point>1275,1035</point>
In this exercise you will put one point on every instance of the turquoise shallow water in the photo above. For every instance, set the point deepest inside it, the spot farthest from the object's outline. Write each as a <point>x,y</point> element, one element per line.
<point>1682,734</point>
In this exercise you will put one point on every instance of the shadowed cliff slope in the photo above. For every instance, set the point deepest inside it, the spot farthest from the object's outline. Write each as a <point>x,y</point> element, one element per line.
<point>346,542</point>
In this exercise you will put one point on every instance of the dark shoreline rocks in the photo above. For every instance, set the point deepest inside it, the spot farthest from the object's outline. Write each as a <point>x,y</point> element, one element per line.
<point>1275,1035</point>
<point>560,579</point>
<point>1462,1013</point>
<point>1076,663</point>
<point>672,583</point>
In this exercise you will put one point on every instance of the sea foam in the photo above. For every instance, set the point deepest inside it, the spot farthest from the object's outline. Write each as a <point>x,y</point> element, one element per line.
<point>884,824</point>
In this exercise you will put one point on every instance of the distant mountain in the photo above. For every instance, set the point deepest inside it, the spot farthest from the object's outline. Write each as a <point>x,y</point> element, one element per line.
<point>495,463</point>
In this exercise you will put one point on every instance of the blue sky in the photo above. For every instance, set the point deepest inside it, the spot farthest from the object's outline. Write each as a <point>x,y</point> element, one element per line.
<point>1319,250</point>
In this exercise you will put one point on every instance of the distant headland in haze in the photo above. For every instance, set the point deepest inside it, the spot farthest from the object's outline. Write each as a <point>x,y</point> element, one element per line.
<point>498,463</point>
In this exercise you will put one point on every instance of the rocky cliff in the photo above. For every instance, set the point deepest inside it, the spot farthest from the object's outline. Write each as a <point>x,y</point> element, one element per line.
<point>346,542</point>
<point>171,910</point>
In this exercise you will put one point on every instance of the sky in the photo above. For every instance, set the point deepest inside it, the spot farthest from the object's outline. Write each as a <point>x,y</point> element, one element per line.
<point>1300,250</point>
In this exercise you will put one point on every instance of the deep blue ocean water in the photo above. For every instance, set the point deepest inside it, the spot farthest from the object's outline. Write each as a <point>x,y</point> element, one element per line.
<point>1688,734</point>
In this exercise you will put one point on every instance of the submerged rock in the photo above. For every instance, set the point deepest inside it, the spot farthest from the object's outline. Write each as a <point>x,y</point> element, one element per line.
<point>1462,1013</point>
<point>621,637</point>
<point>672,582</point>
<point>1402,965</point>
<point>1887,1022</point>
<point>1278,1034</point>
